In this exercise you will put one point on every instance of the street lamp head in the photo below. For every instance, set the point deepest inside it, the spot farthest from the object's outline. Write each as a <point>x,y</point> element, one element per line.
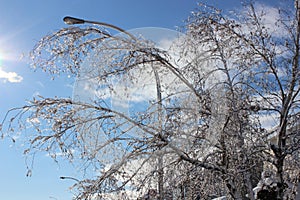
<point>68,177</point>
<point>72,20</point>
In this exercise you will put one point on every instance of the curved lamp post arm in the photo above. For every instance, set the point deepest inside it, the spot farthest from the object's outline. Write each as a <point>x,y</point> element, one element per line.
<point>72,20</point>
<point>70,178</point>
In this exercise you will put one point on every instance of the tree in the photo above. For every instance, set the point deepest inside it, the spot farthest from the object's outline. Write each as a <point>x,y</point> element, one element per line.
<point>225,109</point>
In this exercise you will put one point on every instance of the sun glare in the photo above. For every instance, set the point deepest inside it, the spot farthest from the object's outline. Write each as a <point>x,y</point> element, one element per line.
<point>1,59</point>
<point>9,76</point>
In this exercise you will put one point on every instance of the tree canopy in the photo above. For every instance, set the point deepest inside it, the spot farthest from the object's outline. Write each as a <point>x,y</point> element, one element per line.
<point>220,116</point>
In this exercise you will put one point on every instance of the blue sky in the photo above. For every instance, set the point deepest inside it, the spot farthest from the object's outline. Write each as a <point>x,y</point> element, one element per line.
<point>22,24</point>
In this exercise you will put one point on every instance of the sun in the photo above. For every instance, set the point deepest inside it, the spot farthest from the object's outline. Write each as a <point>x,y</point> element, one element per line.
<point>1,58</point>
<point>8,54</point>
<point>8,75</point>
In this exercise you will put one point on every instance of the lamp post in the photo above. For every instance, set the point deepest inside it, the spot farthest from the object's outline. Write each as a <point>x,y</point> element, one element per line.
<point>72,20</point>
<point>70,178</point>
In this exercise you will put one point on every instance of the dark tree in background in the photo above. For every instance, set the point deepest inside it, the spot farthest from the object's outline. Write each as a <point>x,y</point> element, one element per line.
<point>223,120</point>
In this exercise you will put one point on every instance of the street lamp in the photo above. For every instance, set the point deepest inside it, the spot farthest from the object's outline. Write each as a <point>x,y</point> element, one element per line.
<point>72,20</point>
<point>70,178</point>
